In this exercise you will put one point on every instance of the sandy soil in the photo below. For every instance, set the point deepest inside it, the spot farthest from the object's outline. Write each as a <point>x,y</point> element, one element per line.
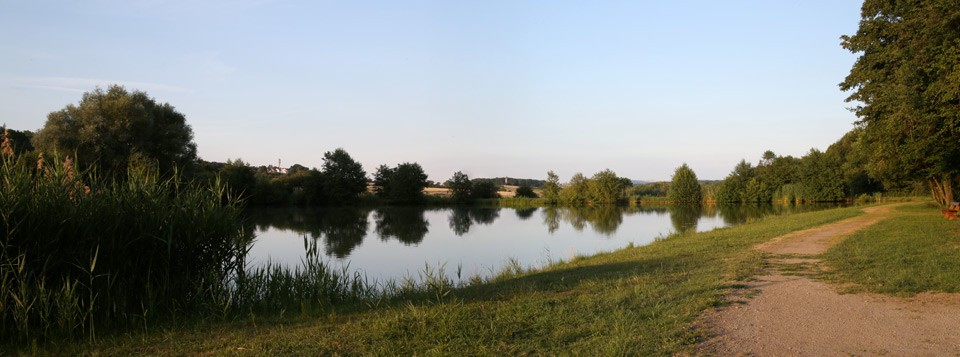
<point>787,313</point>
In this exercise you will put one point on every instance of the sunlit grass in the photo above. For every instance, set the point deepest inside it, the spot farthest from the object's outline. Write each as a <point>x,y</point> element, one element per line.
<point>902,256</point>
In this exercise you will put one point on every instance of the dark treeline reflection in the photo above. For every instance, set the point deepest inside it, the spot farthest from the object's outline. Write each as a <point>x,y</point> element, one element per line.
<point>340,230</point>
<point>684,217</point>
<point>461,218</point>
<point>407,224</point>
<point>525,213</point>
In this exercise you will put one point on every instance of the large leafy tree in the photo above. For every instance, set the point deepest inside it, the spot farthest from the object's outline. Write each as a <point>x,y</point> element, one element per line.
<point>551,188</point>
<point>401,184</point>
<point>460,186</point>
<point>821,177</point>
<point>907,83</point>
<point>576,192</point>
<point>684,187</point>
<point>240,178</point>
<point>343,178</point>
<point>115,129</point>
<point>606,187</point>
<point>525,192</point>
<point>482,189</point>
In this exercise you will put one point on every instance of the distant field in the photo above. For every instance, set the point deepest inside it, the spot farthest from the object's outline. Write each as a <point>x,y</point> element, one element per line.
<point>505,191</point>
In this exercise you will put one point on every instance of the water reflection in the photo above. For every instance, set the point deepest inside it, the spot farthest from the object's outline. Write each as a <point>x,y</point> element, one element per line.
<point>525,213</point>
<point>551,218</point>
<point>344,230</point>
<point>406,224</point>
<point>603,219</point>
<point>462,218</point>
<point>341,232</point>
<point>684,217</point>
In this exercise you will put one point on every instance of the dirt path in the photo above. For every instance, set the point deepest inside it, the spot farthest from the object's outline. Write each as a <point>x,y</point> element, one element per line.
<point>791,314</point>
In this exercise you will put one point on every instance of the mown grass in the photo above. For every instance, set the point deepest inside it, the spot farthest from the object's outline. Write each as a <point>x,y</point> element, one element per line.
<point>904,255</point>
<point>633,301</point>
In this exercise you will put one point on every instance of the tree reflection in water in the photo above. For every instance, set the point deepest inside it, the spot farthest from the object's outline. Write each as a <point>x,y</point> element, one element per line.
<point>343,229</point>
<point>684,217</point>
<point>484,215</point>
<point>525,213</point>
<point>551,218</point>
<point>604,219</point>
<point>407,224</point>
<point>734,214</point>
<point>461,218</point>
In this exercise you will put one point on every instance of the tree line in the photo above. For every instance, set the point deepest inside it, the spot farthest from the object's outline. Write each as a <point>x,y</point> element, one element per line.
<point>904,85</point>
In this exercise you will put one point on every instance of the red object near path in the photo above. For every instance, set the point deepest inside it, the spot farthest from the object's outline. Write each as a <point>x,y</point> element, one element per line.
<point>951,213</point>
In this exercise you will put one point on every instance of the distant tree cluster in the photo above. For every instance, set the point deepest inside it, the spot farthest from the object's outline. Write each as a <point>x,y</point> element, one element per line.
<point>341,181</point>
<point>839,173</point>
<point>463,189</point>
<point>401,184</point>
<point>605,187</point>
<point>654,191</point>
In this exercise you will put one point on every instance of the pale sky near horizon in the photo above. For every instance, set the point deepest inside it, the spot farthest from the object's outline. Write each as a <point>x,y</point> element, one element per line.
<point>490,88</point>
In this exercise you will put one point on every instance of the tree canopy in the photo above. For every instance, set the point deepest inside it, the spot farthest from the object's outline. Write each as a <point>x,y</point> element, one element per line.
<point>684,187</point>
<point>343,178</point>
<point>401,184</point>
<point>551,188</point>
<point>606,187</point>
<point>525,192</point>
<point>115,129</point>
<point>907,84</point>
<point>460,186</point>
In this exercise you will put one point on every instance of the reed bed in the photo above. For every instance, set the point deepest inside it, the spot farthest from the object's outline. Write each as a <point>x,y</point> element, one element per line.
<point>80,254</point>
<point>78,251</point>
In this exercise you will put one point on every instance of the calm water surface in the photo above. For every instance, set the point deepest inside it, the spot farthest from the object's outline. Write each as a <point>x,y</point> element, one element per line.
<point>395,242</point>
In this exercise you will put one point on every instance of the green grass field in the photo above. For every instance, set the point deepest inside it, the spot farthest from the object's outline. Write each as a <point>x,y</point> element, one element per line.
<point>912,253</point>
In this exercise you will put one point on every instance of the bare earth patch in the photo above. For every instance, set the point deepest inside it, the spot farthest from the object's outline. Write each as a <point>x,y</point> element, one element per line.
<point>791,314</point>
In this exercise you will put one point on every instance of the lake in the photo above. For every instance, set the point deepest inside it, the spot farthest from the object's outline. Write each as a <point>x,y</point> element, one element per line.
<point>397,242</point>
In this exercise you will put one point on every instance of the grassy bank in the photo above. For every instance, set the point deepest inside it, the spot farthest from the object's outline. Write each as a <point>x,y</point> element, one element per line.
<point>912,253</point>
<point>633,301</point>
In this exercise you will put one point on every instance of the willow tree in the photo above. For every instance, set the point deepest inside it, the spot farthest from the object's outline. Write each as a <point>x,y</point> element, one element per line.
<point>117,129</point>
<point>907,83</point>
<point>685,188</point>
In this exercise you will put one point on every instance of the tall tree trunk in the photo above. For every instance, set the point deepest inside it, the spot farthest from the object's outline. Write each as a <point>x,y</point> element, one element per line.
<point>942,190</point>
<point>936,191</point>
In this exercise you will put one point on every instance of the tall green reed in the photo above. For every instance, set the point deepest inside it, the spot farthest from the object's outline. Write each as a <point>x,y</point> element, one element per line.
<point>78,250</point>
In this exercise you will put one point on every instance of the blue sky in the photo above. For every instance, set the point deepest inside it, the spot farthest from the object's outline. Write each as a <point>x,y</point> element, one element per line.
<point>490,88</point>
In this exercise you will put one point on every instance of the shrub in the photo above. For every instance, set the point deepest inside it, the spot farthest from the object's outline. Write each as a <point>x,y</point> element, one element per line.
<point>525,192</point>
